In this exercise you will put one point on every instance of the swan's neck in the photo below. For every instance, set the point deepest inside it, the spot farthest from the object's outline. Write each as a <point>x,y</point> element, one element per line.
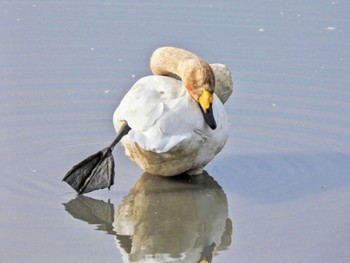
<point>169,61</point>
<point>194,72</point>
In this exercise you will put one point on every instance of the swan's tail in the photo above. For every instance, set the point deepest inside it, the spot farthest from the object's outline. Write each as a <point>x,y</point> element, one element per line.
<point>96,171</point>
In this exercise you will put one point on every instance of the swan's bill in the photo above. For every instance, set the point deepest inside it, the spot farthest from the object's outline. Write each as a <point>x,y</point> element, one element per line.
<point>209,116</point>
<point>205,102</point>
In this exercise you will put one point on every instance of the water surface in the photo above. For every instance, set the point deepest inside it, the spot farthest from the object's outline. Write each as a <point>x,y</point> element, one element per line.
<point>281,186</point>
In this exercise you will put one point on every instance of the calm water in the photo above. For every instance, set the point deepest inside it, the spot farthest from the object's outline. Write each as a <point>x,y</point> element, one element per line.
<point>279,191</point>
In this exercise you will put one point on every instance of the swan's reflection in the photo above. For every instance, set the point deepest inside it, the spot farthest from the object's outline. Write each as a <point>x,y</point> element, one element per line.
<point>182,219</point>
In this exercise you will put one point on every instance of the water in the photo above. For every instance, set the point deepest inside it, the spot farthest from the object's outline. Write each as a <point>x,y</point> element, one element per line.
<point>282,185</point>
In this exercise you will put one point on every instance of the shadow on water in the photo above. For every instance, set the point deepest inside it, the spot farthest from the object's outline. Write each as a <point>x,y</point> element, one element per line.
<point>182,219</point>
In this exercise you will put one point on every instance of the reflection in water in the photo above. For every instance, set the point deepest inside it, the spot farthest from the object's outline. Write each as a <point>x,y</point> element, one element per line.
<point>182,219</point>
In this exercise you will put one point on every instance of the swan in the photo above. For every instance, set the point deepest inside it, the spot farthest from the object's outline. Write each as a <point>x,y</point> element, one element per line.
<point>177,118</point>
<point>169,123</point>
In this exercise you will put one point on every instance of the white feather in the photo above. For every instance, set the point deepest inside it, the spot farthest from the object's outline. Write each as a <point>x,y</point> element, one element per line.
<point>166,120</point>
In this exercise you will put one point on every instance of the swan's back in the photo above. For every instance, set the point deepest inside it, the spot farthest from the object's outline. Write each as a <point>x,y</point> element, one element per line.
<point>168,133</point>
<point>155,109</point>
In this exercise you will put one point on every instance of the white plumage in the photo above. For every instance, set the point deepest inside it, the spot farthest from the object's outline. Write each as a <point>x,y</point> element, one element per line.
<point>168,133</point>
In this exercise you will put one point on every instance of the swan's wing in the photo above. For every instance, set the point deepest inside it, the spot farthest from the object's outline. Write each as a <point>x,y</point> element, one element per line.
<point>180,118</point>
<point>140,107</point>
<point>160,112</point>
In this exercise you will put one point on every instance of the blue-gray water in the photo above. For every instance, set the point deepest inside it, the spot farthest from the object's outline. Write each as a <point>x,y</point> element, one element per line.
<point>284,173</point>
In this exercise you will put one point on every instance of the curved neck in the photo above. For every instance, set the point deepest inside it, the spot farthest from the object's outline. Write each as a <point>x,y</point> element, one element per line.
<point>194,72</point>
<point>170,61</point>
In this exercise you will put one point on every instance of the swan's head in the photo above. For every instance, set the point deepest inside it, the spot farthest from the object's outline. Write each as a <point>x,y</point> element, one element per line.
<point>196,74</point>
<point>199,80</point>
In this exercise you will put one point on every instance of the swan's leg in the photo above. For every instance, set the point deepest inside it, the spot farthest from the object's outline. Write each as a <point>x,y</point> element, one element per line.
<point>96,171</point>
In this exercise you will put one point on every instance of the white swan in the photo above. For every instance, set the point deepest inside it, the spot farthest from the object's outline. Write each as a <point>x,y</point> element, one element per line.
<point>176,125</point>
